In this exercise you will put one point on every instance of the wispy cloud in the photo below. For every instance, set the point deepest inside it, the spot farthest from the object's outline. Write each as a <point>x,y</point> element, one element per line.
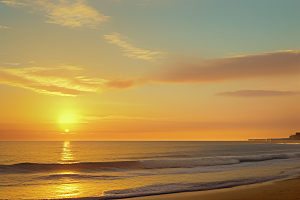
<point>122,117</point>
<point>71,13</point>
<point>4,27</point>
<point>132,51</point>
<point>15,64</point>
<point>258,93</point>
<point>62,80</point>
<point>124,83</point>
<point>71,81</point>
<point>75,14</point>
<point>92,119</point>
<point>247,67</point>
<point>270,64</point>
<point>15,3</point>
<point>108,118</point>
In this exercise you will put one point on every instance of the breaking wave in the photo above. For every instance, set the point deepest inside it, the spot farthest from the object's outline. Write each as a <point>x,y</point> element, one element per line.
<point>143,164</point>
<point>78,176</point>
<point>159,189</point>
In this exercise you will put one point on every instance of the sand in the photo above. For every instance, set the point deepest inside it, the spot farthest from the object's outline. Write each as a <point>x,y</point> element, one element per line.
<point>281,190</point>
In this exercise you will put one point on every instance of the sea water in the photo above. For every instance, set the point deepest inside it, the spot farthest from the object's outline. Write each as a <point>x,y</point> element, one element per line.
<point>111,170</point>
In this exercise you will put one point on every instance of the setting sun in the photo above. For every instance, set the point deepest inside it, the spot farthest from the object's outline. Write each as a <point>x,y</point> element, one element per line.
<point>110,99</point>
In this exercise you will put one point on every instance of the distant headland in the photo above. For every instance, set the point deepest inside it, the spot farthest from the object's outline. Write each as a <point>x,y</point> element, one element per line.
<point>292,137</point>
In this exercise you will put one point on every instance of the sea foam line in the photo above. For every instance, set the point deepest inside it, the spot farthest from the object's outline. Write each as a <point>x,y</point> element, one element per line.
<point>144,164</point>
<point>159,189</point>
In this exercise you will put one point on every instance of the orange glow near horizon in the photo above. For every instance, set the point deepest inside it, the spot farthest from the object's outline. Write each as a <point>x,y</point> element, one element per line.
<point>70,72</point>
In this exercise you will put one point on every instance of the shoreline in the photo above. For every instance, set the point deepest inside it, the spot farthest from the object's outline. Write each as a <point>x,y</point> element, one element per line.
<point>275,190</point>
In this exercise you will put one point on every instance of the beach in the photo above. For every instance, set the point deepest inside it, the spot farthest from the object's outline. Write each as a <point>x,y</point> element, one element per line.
<point>278,190</point>
<point>149,170</point>
<point>149,99</point>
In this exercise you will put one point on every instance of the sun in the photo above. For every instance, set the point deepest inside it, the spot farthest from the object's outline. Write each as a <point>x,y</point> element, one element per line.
<point>67,130</point>
<point>68,118</point>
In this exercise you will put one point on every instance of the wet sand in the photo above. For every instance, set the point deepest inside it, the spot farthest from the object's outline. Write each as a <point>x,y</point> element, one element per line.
<point>281,190</point>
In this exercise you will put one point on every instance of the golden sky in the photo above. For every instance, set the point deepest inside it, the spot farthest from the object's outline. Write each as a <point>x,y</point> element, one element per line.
<point>149,69</point>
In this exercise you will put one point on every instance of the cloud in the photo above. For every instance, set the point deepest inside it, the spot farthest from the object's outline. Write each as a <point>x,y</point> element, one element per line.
<point>62,80</point>
<point>71,81</point>
<point>71,13</point>
<point>258,93</point>
<point>15,64</point>
<point>124,83</point>
<point>122,117</point>
<point>75,15</point>
<point>270,64</point>
<point>91,119</point>
<point>109,117</point>
<point>15,3</point>
<point>131,51</point>
<point>4,27</point>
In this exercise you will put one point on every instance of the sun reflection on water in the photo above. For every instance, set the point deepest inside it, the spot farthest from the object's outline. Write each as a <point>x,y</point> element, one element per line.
<point>67,154</point>
<point>68,187</point>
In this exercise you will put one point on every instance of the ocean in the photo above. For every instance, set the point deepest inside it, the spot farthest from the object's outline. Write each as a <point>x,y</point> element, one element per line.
<point>112,170</point>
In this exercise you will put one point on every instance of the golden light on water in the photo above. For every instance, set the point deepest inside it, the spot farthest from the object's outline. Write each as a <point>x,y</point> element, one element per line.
<point>68,188</point>
<point>66,144</point>
<point>71,71</point>
<point>67,154</point>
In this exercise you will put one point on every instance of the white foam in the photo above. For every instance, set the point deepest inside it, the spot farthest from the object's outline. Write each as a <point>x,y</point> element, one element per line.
<point>188,162</point>
<point>184,187</point>
<point>212,161</point>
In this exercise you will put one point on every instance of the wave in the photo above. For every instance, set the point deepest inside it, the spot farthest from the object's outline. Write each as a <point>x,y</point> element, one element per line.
<point>82,166</point>
<point>159,189</point>
<point>142,164</point>
<point>78,176</point>
<point>212,161</point>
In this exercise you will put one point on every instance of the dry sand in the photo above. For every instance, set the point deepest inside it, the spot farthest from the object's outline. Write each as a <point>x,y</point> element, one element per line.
<point>281,190</point>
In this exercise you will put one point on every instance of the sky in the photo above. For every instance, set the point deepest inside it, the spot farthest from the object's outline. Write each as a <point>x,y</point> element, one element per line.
<point>149,69</point>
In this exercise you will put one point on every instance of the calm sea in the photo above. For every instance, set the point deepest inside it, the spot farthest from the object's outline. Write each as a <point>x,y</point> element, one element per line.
<point>107,170</point>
